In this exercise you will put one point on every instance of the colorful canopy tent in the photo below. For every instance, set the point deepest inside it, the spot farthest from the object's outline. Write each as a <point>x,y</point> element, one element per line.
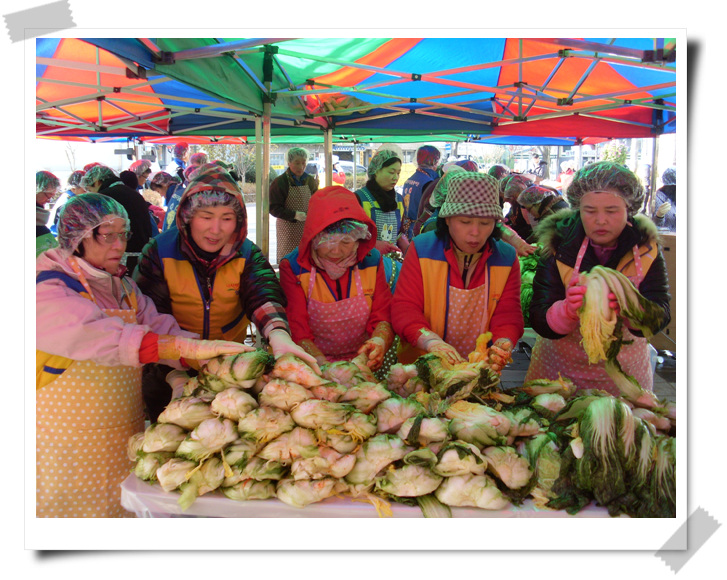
<point>492,89</point>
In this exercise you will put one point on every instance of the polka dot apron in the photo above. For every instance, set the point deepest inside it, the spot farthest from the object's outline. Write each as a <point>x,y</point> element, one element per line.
<point>567,357</point>
<point>83,422</point>
<point>339,327</point>
<point>288,233</point>
<point>463,325</point>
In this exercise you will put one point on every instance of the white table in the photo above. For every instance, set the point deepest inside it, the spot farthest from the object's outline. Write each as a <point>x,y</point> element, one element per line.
<point>151,501</point>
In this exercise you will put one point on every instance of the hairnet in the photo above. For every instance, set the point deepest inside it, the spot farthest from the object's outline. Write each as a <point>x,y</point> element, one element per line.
<point>498,171</point>
<point>90,165</point>
<point>383,158</point>
<point>669,177</point>
<point>468,165</point>
<point>45,181</point>
<point>161,178</point>
<point>607,175</point>
<point>199,158</point>
<point>535,194</point>
<point>190,171</point>
<point>295,153</point>
<point>140,167</point>
<point>180,150</point>
<point>472,194</point>
<point>81,214</point>
<point>428,156</point>
<point>439,193</point>
<point>96,173</point>
<point>512,180</point>
<point>346,228</point>
<point>74,179</point>
<point>212,186</point>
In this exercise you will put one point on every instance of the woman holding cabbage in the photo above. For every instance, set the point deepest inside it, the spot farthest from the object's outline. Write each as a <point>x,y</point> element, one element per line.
<point>603,228</point>
<point>460,281</point>
<point>95,330</point>
<point>339,302</point>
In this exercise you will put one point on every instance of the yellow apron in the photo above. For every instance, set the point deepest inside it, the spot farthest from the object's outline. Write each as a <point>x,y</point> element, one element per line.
<point>83,422</point>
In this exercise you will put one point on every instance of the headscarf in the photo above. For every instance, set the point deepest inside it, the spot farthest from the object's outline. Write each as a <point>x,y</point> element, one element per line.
<point>81,214</point>
<point>428,156</point>
<point>604,175</point>
<point>382,156</point>
<point>45,180</point>
<point>472,194</point>
<point>669,177</point>
<point>439,193</point>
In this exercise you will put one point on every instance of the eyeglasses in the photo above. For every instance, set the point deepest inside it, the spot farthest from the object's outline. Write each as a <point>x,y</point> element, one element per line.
<point>109,239</point>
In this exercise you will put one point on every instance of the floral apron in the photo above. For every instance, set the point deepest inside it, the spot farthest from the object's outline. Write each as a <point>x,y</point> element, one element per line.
<point>83,423</point>
<point>339,327</point>
<point>288,233</point>
<point>567,358</point>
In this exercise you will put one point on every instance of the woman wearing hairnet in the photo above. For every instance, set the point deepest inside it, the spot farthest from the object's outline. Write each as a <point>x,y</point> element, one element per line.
<point>665,215</point>
<point>540,201</point>
<point>211,277</point>
<point>289,196</point>
<point>73,188</point>
<point>603,228</point>
<point>382,203</point>
<point>460,281</point>
<point>47,187</point>
<point>94,332</point>
<point>339,303</point>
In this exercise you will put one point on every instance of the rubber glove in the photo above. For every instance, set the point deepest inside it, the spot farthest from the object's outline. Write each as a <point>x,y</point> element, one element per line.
<point>281,343</point>
<point>562,316</point>
<point>177,379</point>
<point>374,349</point>
<point>177,347</point>
<point>386,247</point>
<point>300,216</point>
<point>446,351</point>
<point>663,209</point>
<point>310,347</point>
<point>500,354</point>
<point>613,303</point>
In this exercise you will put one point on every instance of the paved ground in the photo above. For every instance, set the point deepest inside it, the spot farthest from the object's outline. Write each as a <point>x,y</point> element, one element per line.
<point>664,378</point>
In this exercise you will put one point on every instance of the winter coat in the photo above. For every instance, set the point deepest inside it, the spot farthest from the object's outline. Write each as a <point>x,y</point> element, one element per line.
<point>327,207</point>
<point>669,220</point>
<point>137,208</point>
<point>279,193</point>
<point>561,236</point>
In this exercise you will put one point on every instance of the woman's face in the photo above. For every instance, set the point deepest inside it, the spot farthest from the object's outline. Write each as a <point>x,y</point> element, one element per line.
<point>77,190</point>
<point>297,166</point>
<point>43,197</point>
<point>604,216</point>
<point>213,227</point>
<point>105,247</point>
<point>388,177</point>
<point>469,233</point>
<point>337,248</point>
<point>143,177</point>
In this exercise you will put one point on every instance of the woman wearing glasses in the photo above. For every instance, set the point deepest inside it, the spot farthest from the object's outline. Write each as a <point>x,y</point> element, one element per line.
<point>94,332</point>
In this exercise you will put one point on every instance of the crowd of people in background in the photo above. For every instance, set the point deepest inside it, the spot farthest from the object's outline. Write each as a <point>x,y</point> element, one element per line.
<point>141,275</point>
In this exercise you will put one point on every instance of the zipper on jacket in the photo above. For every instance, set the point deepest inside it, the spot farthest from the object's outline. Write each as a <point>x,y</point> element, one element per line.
<point>207,300</point>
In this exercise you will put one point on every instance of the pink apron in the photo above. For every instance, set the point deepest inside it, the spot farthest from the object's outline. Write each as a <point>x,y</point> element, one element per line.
<point>339,327</point>
<point>463,327</point>
<point>566,356</point>
<point>83,423</point>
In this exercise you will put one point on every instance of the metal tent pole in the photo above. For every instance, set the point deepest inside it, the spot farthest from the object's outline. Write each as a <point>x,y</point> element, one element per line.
<point>328,152</point>
<point>258,182</point>
<point>265,217</point>
<point>654,168</point>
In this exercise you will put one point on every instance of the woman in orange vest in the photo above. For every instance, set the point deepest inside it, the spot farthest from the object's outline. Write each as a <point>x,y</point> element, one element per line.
<point>339,302</point>
<point>603,227</point>
<point>460,281</point>
<point>95,330</point>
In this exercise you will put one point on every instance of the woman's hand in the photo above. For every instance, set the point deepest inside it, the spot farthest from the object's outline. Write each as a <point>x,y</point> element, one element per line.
<point>445,350</point>
<point>177,347</point>
<point>574,296</point>
<point>374,349</point>
<point>386,247</point>
<point>281,343</point>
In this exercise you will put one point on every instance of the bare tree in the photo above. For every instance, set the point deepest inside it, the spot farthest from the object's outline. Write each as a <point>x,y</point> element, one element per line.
<point>70,151</point>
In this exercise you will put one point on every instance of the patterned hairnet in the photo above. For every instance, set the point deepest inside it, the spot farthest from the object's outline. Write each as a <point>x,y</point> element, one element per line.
<point>212,186</point>
<point>140,167</point>
<point>180,150</point>
<point>199,158</point>
<point>381,157</point>
<point>498,171</point>
<point>190,171</point>
<point>439,193</point>
<point>341,230</point>
<point>469,165</point>
<point>74,179</point>
<point>472,194</point>
<point>45,181</point>
<point>535,194</point>
<point>669,177</point>
<point>97,173</point>
<point>161,178</point>
<point>607,175</point>
<point>511,185</point>
<point>428,156</point>
<point>81,214</point>
<point>297,152</point>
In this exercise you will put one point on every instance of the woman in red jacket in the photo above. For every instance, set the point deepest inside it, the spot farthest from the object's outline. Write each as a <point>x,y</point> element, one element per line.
<point>459,281</point>
<point>339,302</point>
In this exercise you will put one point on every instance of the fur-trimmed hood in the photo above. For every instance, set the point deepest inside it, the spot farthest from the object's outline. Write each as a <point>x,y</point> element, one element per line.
<point>562,233</point>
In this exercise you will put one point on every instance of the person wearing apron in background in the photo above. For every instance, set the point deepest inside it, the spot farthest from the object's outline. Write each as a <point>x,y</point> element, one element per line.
<point>339,302</point>
<point>460,281</point>
<point>289,196</point>
<point>94,331</point>
<point>604,228</point>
